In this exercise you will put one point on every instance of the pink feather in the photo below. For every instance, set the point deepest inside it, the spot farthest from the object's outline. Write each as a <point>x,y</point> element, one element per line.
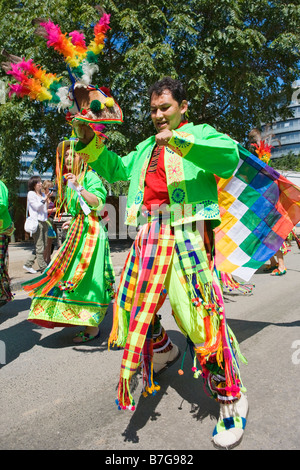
<point>53,31</point>
<point>17,89</point>
<point>78,38</point>
<point>105,19</point>
<point>16,72</point>
<point>26,65</point>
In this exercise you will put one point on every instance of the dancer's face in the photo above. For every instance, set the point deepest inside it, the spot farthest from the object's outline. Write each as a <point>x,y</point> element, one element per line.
<point>72,162</point>
<point>166,112</point>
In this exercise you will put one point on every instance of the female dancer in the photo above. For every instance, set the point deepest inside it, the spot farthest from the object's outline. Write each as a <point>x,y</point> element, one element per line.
<point>72,291</point>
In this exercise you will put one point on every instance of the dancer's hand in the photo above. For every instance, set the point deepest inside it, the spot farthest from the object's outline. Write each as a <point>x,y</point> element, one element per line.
<point>65,225</point>
<point>72,178</point>
<point>163,137</point>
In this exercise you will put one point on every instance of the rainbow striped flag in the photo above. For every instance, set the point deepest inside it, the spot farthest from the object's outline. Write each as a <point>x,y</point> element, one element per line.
<point>259,208</point>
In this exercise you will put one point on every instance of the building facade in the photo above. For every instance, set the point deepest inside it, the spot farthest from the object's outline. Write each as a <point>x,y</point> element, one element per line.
<point>284,136</point>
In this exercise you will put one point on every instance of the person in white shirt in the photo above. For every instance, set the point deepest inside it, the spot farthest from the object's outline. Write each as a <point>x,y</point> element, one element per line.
<point>37,203</point>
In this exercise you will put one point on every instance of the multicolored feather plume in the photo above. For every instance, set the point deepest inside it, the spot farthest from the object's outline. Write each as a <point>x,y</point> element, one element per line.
<point>83,101</point>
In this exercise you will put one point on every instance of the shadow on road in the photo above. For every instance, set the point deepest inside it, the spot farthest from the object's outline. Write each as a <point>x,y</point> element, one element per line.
<point>189,390</point>
<point>24,335</point>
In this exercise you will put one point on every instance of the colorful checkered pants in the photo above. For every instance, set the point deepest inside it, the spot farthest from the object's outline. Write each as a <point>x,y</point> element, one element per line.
<point>161,262</point>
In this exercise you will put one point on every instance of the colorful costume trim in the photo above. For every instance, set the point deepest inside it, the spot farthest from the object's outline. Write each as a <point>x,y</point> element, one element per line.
<point>229,284</point>
<point>230,423</point>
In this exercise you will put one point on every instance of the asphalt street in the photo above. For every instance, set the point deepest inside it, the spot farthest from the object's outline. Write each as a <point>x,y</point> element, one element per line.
<point>56,395</point>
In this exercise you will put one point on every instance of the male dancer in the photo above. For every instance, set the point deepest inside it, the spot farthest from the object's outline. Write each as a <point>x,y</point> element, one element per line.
<point>173,187</point>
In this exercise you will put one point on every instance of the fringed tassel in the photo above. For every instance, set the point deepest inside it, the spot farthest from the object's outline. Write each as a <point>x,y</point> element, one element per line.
<point>213,338</point>
<point>149,386</point>
<point>236,348</point>
<point>39,281</point>
<point>125,400</point>
<point>190,345</point>
<point>229,283</point>
<point>120,326</point>
<point>48,281</point>
<point>231,369</point>
<point>112,340</point>
<point>60,263</point>
<point>218,340</point>
<point>52,281</point>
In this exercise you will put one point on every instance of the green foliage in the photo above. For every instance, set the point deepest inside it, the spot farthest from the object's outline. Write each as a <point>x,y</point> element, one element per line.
<point>290,161</point>
<point>236,58</point>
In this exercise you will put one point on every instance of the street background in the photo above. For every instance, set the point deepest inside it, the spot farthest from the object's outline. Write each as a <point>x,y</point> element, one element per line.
<point>58,395</point>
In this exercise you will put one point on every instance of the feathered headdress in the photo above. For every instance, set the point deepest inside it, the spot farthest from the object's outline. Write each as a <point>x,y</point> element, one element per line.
<point>80,98</point>
<point>262,149</point>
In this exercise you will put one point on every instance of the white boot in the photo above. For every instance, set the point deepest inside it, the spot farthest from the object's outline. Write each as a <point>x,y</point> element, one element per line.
<point>163,360</point>
<point>230,427</point>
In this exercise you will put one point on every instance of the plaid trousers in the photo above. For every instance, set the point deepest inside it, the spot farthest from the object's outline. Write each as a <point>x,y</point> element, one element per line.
<point>161,260</point>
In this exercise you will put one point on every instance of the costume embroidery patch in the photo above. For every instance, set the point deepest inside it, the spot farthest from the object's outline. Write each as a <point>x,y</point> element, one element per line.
<point>181,142</point>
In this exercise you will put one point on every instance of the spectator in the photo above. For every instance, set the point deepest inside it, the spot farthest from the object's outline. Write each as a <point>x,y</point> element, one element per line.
<point>37,208</point>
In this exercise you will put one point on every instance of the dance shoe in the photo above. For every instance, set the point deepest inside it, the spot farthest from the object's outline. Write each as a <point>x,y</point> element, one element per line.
<point>277,272</point>
<point>84,337</point>
<point>229,430</point>
<point>163,360</point>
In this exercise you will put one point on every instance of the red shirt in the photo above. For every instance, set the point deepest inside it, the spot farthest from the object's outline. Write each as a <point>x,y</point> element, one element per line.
<point>156,189</point>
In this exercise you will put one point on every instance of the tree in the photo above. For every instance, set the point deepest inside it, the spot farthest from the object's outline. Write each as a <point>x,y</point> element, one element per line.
<point>290,161</point>
<point>237,60</point>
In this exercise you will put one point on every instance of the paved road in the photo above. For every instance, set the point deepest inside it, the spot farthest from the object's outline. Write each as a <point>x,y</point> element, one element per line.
<point>57,395</point>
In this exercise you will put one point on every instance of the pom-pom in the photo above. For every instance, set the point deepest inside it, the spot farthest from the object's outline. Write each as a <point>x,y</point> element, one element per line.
<point>96,106</point>
<point>180,372</point>
<point>109,102</point>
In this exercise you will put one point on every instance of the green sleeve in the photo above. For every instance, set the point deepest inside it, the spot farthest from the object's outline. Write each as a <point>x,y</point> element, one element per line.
<point>5,219</point>
<point>94,185</point>
<point>106,163</point>
<point>208,149</point>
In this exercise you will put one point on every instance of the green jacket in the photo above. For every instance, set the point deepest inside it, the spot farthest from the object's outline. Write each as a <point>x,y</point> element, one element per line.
<point>193,156</point>
<point>5,219</point>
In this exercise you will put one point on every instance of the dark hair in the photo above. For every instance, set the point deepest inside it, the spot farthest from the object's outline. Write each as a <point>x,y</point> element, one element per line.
<point>32,182</point>
<point>167,83</point>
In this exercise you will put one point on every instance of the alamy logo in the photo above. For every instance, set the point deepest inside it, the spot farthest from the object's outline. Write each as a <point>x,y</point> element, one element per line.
<point>296,93</point>
<point>2,353</point>
<point>296,354</point>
